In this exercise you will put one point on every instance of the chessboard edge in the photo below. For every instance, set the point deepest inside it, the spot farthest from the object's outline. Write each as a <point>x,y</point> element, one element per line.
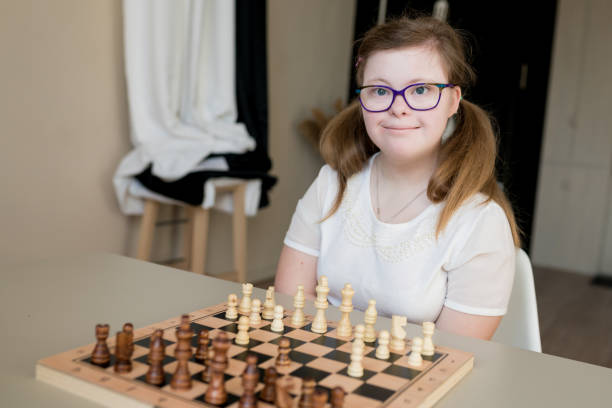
<point>450,382</point>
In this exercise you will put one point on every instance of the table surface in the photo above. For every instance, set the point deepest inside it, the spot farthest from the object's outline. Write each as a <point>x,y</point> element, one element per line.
<point>52,306</point>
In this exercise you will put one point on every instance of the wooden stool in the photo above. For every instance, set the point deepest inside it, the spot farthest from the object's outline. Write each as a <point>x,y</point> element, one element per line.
<point>196,233</point>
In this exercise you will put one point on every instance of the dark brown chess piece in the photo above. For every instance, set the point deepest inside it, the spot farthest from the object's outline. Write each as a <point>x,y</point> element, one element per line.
<point>155,375</point>
<point>101,354</point>
<point>337,397</point>
<point>250,378</point>
<point>207,373</point>
<point>181,380</point>
<point>319,399</point>
<point>284,347</point>
<point>123,363</point>
<point>308,387</point>
<point>282,399</point>
<point>216,394</point>
<point>202,350</point>
<point>269,390</point>
<point>128,329</point>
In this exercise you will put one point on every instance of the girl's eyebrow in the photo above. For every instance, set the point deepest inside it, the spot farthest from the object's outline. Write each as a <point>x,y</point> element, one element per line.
<point>412,81</point>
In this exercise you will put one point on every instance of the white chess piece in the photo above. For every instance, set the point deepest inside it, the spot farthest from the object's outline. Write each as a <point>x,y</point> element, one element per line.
<point>428,331</point>
<point>245,303</point>
<point>269,303</point>
<point>255,318</point>
<point>398,335</point>
<point>370,320</point>
<point>355,368</point>
<point>415,359</point>
<point>345,328</point>
<point>232,303</point>
<point>242,337</point>
<point>298,303</point>
<point>382,351</point>
<point>319,323</point>
<point>277,323</point>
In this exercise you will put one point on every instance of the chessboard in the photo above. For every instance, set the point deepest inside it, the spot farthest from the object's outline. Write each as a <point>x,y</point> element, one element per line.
<point>323,357</point>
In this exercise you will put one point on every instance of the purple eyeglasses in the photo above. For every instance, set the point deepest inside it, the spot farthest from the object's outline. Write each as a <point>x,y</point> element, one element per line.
<point>419,97</point>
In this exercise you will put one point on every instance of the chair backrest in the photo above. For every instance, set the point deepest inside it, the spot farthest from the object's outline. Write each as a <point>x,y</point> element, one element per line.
<point>520,327</point>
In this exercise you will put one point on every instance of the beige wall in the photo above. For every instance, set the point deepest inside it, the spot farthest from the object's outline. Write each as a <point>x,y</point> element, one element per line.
<point>65,127</point>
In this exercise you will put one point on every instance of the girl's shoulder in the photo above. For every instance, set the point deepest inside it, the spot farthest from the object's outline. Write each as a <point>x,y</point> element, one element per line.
<point>478,212</point>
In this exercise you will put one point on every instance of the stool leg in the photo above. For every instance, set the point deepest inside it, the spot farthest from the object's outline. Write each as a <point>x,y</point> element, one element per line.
<point>187,237</point>
<point>198,242</point>
<point>240,233</point>
<point>147,229</point>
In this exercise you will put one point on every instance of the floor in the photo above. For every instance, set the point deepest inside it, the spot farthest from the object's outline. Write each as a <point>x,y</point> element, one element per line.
<point>575,316</point>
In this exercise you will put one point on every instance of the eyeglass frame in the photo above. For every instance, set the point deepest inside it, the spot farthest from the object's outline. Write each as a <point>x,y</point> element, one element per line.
<point>402,92</point>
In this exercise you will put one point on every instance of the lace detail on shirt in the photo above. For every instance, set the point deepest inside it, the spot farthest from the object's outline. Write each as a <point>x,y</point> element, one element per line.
<point>360,230</point>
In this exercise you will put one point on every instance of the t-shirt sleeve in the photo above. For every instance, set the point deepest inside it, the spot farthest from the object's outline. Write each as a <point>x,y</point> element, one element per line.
<point>304,232</point>
<point>481,269</point>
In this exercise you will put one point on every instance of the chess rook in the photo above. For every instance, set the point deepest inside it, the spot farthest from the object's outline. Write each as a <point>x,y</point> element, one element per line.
<point>101,354</point>
<point>319,323</point>
<point>345,329</point>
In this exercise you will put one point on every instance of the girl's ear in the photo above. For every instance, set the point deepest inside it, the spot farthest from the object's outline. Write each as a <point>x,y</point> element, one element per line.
<point>457,96</point>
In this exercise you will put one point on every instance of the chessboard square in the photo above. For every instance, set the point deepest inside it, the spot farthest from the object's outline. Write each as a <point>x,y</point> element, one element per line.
<point>140,351</point>
<point>169,335</point>
<point>214,322</point>
<point>137,370</point>
<point>146,342</point>
<point>348,348</point>
<point>303,335</point>
<point>286,329</point>
<point>197,389</point>
<point>167,378</point>
<point>235,367</point>
<point>197,328</point>
<point>234,350</point>
<point>145,359</point>
<point>263,335</point>
<point>267,349</point>
<point>234,386</point>
<point>404,362</point>
<point>435,357</point>
<point>328,341</point>
<point>287,322</point>
<point>392,356</point>
<point>221,315</point>
<point>334,334</point>
<point>348,384</point>
<point>325,364</point>
<point>193,368</point>
<point>401,371</point>
<point>390,382</point>
<point>252,343</point>
<point>308,327</point>
<point>374,364</point>
<point>302,358</point>
<point>314,349</point>
<point>293,343</point>
<point>306,372</point>
<point>260,357</point>
<point>373,392</point>
<point>282,370</point>
<point>340,356</point>
<point>259,325</point>
<point>215,332</point>
<point>230,328</point>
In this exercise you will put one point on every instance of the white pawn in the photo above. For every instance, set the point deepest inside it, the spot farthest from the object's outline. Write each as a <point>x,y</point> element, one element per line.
<point>382,351</point>
<point>298,303</point>
<point>245,303</point>
<point>370,319</point>
<point>428,331</point>
<point>255,318</point>
<point>355,368</point>
<point>242,337</point>
<point>232,302</point>
<point>359,330</point>
<point>277,323</point>
<point>268,306</point>
<point>398,335</point>
<point>415,359</point>
<point>344,328</point>
<point>319,323</point>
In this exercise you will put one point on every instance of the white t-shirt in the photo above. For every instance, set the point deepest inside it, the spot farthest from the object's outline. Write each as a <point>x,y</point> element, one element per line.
<point>469,268</point>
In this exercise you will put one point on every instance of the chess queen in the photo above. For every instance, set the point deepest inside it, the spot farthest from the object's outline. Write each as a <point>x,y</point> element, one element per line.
<point>407,209</point>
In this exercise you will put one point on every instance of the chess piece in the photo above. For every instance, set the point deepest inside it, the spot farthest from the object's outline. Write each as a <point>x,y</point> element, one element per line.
<point>268,393</point>
<point>155,374</point>
<point>319,323</point>
<point>242,337</point>
<point>359,332</point>
<point>207,373</point>
<point>101,354</point>
<point>232,303</point>
<point>268,306</point>
<point>308,387</point>
<point>398,335</point>
<point>382,351</point>
<point>215,393</point>
<point>181,380</point>
<point>345,329</point>
<point>123,363</point>
<point>245,303</point>
<point>320,397</point>
<point>428,331</point>
<point>337,397</point>
<point>202,350</point>
<point>415,359</point>
<point>283,399</point>
<point>370,316</point>
<point>277,324</point>
<point>128,329</point>
<point>284,347</point>
<point>355,368</point>
<point>298,304</point>
<point>255,318</point>
<point>250,378</point>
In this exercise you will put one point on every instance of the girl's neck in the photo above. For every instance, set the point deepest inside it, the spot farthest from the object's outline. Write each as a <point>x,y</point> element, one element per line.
<point>407,174</point>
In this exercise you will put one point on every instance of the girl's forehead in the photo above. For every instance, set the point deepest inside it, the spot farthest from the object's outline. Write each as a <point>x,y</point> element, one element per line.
<point>405,65</point>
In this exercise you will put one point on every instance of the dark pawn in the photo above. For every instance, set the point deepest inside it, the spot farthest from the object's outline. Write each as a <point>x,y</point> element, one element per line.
<point>123,364</point>
<point>250,378</point>
<point>128,329</point>
<point>319,398</point>
<point>155,375</point>
<point>337,397</point>
<point>308,387</point>
<point>207,373</point>
<point>181,380</point>
<point>216,394</point>
<point>202,350</point>
<point>283,353</point>
<point>101,355</point>
<point>268,393</point>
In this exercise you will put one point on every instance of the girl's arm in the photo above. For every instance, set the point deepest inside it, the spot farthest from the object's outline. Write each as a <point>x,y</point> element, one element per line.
<point>294,268</point>
<point>465,324</point>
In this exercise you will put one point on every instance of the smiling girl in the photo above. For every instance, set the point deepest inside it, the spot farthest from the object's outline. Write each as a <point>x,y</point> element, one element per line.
<point>407,209</point>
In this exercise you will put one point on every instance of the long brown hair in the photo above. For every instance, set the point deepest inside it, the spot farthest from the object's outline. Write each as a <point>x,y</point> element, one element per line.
<point>466,159</point>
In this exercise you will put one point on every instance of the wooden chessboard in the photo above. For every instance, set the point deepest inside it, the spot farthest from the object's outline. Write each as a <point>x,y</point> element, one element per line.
<point>390,383</point>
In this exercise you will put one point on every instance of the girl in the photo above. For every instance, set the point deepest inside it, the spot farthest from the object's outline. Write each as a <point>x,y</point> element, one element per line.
<point>407,209</point>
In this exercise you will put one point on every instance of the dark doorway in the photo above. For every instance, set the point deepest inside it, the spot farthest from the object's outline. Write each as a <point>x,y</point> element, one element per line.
<point>511,51</point>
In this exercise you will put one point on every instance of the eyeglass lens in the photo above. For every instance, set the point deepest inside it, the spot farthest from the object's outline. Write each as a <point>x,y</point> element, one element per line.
<point>423,96</point>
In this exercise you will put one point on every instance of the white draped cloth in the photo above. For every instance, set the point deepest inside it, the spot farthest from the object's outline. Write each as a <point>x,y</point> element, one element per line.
<point>180,70</point>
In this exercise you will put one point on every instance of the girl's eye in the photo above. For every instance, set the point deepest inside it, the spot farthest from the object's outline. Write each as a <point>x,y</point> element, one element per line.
<point>380,91</point>
<point>420,90</point>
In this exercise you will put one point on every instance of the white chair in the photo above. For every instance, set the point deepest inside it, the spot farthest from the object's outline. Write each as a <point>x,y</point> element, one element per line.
<point>520,327</point>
